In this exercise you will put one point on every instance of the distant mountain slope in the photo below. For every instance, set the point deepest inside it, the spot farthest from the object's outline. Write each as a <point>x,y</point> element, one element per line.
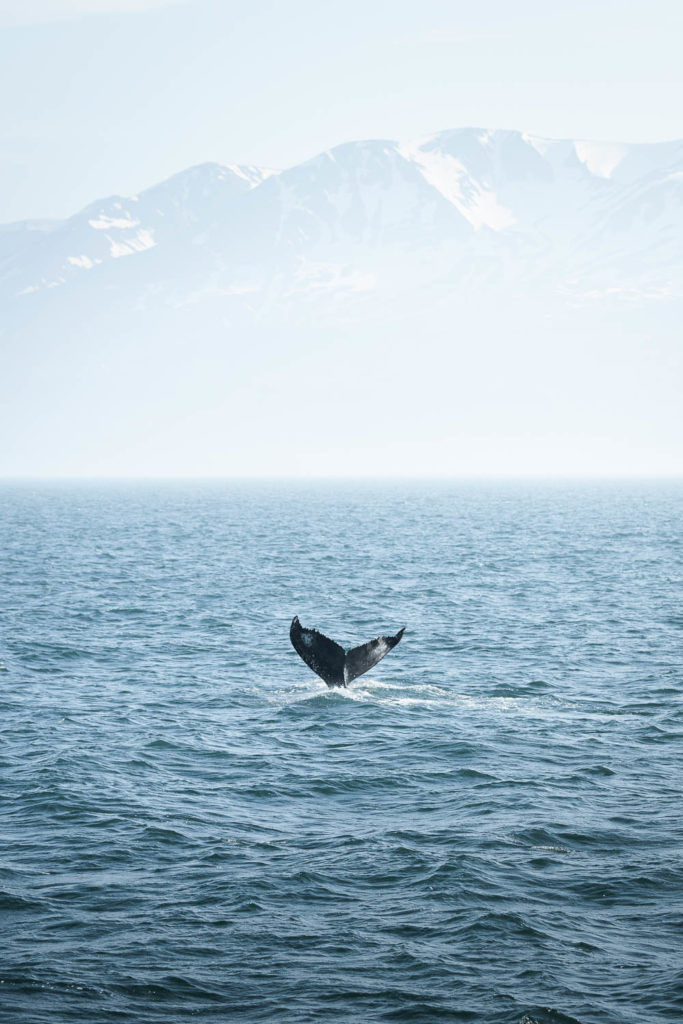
<point>35,256</point>
<point>467,208</point>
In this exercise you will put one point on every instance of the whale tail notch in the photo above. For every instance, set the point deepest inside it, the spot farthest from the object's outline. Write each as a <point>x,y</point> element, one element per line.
<point>332,663</point>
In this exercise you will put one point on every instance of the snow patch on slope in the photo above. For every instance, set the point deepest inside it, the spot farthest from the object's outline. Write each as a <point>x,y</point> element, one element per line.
<point>82,261</point>
<point>251,174</point>
<point>600,158</point>
<point>141,241</point>
<point>477,203</point>
<point>104,223</point>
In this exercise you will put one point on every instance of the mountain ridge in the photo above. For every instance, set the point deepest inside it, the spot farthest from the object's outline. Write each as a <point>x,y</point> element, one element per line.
<point>553,207</point>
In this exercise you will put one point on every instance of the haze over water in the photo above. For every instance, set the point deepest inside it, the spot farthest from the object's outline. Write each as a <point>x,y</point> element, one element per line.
<point>486,827</point>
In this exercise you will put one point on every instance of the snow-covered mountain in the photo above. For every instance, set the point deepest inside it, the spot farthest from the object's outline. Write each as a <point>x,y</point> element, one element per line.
<point>489,277</point>
<point>36,255</point>
<point>469,208</point>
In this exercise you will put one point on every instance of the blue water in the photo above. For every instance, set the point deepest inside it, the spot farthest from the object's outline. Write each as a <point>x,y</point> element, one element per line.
<point>487,827</point>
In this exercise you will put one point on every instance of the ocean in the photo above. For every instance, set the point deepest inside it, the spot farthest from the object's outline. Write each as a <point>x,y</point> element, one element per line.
<point>486,827</point>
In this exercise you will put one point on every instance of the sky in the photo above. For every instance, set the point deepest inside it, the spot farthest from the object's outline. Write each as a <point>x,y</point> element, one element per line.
<point>101,97</point>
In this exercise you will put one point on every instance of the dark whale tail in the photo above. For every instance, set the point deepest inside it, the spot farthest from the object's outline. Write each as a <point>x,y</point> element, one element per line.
<point>331,662</point>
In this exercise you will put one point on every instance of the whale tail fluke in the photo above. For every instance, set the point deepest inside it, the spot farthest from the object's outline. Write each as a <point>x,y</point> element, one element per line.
<point>331,662</point>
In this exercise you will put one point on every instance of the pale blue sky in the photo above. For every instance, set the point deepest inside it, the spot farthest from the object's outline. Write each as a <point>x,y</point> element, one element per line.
<point>104,96</point>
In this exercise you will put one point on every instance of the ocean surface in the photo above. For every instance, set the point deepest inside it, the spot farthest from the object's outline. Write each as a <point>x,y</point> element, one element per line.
<point>487,827</point>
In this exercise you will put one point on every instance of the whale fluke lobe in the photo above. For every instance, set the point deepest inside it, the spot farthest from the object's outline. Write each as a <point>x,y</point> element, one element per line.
<point>331,662</point>
<point>361,659</point>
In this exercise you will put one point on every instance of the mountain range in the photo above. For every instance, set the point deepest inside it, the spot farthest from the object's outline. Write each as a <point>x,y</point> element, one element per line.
<point>481,270</point>
<point>462,209</point>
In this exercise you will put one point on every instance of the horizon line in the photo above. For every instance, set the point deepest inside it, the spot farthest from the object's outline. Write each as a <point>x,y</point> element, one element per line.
<point>464,478</point>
